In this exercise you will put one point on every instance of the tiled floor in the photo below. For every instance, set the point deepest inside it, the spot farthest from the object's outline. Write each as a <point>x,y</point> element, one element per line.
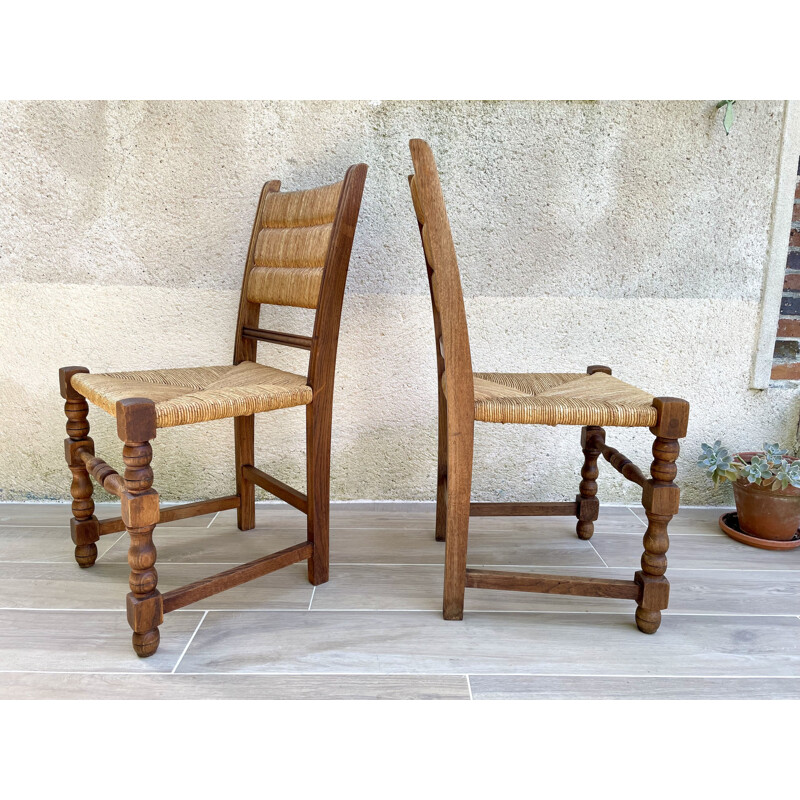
<point>376,631</point>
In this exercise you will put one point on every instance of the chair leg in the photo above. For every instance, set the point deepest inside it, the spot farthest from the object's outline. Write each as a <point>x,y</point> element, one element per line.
<point>244,441</point>
<point>588,506</point>
<point>83,525</point>
<point>661,500</point>
<point>441,475</point>
<point>136,425</point>
<point>318,479</point>
<point>459,486</point>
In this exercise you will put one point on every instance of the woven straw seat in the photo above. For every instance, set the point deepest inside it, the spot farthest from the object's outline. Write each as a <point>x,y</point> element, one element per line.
<point>561,399</point>
<point>198,394</point>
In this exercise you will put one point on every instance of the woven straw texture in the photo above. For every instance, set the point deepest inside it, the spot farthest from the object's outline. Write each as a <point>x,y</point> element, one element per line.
<point>561,399</point>
<point>285,287</point>
<point>198,394</point>
<point>292,245</point>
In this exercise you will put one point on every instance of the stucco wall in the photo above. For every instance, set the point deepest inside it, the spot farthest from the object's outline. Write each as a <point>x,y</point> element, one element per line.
<point>630,234</point>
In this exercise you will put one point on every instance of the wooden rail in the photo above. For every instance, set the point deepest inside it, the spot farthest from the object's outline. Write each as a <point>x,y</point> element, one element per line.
<point>277,337</point>
<point>622,464</point>
<point>552,584</point>
<point>172,513</point>
<point>523,509</point>
<point>205,587</point>
<point>278,488</point>
<point>103,473</point>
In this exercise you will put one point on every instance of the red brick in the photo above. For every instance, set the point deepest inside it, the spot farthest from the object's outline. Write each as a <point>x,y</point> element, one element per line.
<point>796,213</point>
<point>789,327</point>
<point>786,372</point>
<point>794,239</point>
<point>797,191</point>
<point>791,282</point>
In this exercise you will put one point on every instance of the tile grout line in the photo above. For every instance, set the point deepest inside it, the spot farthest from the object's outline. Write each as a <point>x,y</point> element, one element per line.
<point>598,554</point>
<point>638,518</point>
<point>191,639</point>
<point>111,546</point>
<point>212,520</point>
<point>311,599</point>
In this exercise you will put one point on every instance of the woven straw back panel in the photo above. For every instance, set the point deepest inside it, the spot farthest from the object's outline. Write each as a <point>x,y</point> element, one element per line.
<point>301,209</point>
<point>280,286</point>
<point>292,245</point>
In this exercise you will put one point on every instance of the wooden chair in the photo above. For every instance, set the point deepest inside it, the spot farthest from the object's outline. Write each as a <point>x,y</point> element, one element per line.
<point>594,400</point>
<point>298,256</point>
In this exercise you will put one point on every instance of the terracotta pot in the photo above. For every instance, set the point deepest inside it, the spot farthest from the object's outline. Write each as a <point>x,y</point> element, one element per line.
<point>765,513</point>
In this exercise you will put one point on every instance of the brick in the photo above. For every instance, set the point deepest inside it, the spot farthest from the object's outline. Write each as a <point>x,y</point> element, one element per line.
<point>797,191</point>
<point>789,327</point>
<point>787,350</point>
<point>791,282</point>
<point>793,261</point>
<point>796,212</point>
<point>790,306</point>
<point>794,239</point>
<point>786,372</point>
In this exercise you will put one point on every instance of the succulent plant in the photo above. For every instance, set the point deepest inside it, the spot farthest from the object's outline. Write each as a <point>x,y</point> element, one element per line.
<point>766,468</point>
<point>716,461</point>
<point>788,474</point>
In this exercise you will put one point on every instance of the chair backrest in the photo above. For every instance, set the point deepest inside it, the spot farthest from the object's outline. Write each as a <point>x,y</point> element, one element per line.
<point>449,317</point>
<point>298,256</point>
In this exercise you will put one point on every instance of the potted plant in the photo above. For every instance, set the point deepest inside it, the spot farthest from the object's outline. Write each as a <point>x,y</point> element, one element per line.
<point>766,488</point>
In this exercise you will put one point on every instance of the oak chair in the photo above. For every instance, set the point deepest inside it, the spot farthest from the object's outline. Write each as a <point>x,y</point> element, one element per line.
<point>298,256</point>
<point>594,400</point>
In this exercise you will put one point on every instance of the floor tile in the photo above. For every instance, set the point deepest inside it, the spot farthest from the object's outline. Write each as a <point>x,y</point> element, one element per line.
<point>550,643</point>
<point>60,686</point>
<point>87,641</point>
<point>44,544</point>
<point>523,687</point>
<point>715,551</point>
<point>212,545</point>
<point>105,585</point>
<point>419,588</point>
<point>59,514</point>
<point>690,520</point>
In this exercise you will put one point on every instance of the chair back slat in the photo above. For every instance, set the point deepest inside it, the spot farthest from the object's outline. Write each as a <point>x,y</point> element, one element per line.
<point>449,316</point>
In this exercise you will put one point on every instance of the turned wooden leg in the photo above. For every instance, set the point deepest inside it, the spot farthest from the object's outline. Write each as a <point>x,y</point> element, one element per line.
<point>136,426</point>
<point>244,437</point>
<point>459,486</point>
<point>661,500</point>
<point>318,482</point>
<point>592,437</point>
<point>83,525</point>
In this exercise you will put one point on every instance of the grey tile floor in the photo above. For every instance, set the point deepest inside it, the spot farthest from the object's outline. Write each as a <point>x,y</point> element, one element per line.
<point>376,631</point>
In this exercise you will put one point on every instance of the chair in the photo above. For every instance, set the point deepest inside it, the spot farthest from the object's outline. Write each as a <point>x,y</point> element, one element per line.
<point>298,256</point>
<point>594,400</point>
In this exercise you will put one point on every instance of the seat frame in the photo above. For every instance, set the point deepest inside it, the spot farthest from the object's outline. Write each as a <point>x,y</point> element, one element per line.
<point>136,427</point>
<point>649,588</point>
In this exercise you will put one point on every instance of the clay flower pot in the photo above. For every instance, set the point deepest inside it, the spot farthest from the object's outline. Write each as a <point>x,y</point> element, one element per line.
<point>767,514</point>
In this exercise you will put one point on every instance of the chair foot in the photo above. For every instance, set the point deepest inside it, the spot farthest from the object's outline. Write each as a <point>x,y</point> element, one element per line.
<point>86,554</point>
<point>456,611</point>
<point>146,644</point>
<point>647,621</point>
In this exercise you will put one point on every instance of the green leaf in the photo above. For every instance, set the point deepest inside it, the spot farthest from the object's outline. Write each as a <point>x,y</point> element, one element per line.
<point>727,120</point>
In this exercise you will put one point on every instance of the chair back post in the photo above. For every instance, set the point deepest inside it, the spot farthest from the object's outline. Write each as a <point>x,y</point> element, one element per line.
<point>325,338</point>
<point>450,319</point>
<point>245,349</point>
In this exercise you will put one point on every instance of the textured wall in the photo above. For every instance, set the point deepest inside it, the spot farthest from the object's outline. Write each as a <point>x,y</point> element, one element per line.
<point>630,234</point>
